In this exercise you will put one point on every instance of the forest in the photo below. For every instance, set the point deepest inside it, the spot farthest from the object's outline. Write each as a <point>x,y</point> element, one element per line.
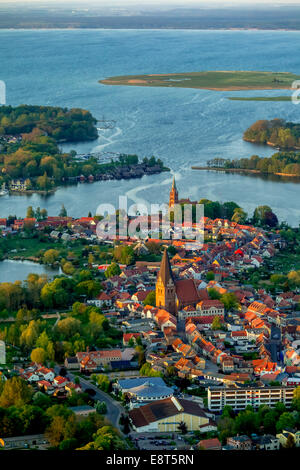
<point>276,132</point>
<point>63,124</point>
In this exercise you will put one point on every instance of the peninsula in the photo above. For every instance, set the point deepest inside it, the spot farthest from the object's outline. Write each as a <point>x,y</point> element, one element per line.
<point>31,160</point>
<point>221,80</point>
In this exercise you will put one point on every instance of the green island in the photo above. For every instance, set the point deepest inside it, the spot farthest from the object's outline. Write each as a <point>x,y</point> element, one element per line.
<point>276,132</point>
<point>210,80</point>
<point>285,136</point>
<point>31,160</point>
<point>260,98</point>
<point>280,163</point>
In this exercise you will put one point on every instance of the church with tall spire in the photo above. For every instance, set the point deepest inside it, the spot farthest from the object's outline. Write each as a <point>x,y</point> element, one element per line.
<point>165,286</point>
<point>171,294</point>
<point>173,199</point>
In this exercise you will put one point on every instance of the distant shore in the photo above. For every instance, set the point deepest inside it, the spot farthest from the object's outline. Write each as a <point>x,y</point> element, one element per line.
<point>242,170</point>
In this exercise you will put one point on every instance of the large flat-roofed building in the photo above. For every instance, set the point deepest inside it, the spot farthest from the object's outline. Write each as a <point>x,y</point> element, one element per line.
<point>166,415</point>
<point>240,398</point>
<point>145,389</point>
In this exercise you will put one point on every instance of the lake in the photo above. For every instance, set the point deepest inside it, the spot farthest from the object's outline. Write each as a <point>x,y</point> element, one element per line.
<point>182,127</point>
<point>11,270</point>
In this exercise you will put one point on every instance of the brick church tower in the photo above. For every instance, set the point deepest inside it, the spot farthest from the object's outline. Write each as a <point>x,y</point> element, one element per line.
<point>173,195</point>
<point>165,286</point>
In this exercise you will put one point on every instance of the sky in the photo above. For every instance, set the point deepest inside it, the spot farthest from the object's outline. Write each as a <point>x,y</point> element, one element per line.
<point>183,3</point>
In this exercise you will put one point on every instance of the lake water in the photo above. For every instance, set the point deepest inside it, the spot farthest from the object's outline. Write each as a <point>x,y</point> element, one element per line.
<point>182,127</point>
<point>11,270</point>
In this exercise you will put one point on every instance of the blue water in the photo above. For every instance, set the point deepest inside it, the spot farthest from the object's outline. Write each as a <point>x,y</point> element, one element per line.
<point>183,127</point>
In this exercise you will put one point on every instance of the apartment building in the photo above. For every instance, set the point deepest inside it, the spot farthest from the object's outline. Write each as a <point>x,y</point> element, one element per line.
<point>239,398</point>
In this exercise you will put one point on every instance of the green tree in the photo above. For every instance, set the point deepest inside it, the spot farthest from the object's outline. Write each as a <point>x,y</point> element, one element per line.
<point>38,355</point>
<point>15,392</point>
<point>150,299</point>
<point>112,270</point>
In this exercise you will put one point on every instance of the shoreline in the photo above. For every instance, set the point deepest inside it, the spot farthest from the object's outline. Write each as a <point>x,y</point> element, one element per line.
<point>270,144</point>
<point>242,170</point>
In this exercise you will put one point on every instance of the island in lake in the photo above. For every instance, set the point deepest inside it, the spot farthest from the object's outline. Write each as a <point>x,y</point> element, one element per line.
<point>276,132</point>
<point>285,136</point>
<point>31,160</point>
<point>286,164</point>
<point>260,98</point>
<point>210,80</point>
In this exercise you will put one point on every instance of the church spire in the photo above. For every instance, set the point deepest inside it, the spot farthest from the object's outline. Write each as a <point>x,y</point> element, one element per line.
<point>165,272</point>
<point>173,194</point>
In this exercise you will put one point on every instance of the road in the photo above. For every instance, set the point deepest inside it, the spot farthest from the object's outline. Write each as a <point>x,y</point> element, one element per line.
<point>275,345</point>
<point>114,408</point>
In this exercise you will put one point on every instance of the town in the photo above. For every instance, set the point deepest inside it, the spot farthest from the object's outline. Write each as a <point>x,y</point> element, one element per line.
<point>151,344</point>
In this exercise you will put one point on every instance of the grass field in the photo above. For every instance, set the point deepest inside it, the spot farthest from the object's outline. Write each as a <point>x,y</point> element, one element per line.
<point>211,80</point>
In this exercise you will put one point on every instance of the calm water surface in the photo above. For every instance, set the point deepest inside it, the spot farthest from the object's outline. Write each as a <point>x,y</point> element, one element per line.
<point>11,270</point>
<point>183,127</point>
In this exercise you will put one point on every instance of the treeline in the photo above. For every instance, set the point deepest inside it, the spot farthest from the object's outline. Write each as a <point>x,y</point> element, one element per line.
<point>25,412</point>
<point>37,337</point>
<point>71,125</point>
<point>262,215</point>
<point>37,292</point>
<point>281,162</point>
<point>275,132</point>
<point>265,420</point>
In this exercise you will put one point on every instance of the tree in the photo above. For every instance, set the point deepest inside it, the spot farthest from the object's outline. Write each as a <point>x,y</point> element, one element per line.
<point>105,438</point>
<point>124,254</point>
<point>230,301</point>
<point>239,216</point>
<point>263,215</point>
<point>229,208</point>
<point>182,427</point>
<point>15,392</point>
<point>55,431</point>
<point>50,256</point>
<point>210,276</point>
<point>296,399</point>
<point>101,407</point>
<point>286,420</point>
<point>112,270</point>
<point>216,323</point>
<point>38,355</point>
<point>30,212</point>
<point>150,299</point>
<point>214,294</point>
<point>290,442</point>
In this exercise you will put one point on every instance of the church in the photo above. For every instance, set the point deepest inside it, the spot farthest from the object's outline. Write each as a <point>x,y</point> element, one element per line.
<point>173,198</point>
<point>171,294</point>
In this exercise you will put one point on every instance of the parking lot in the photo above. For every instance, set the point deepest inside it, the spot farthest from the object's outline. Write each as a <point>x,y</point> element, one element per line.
<point>159,441</point>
